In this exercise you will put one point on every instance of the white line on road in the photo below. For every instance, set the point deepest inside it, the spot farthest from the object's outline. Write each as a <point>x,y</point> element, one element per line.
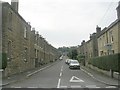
<point>76,79</point>
<point>32,87</point>
<point>94,77</point>
<point>58,86</point>
<point>15,87</point>
<point>38,71</point>
<point>92,86</point>
<point>87,73</point>
<point>76,86</point>
<point>63,86</point>
<point>111,87</point>
<point>90,74</point>
<point>60,74</point>
<point>61,68</point>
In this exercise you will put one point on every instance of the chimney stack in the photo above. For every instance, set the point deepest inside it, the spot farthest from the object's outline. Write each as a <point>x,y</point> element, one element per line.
<point>98,29</point>
<point>118,10</point>
<point>14,4</point>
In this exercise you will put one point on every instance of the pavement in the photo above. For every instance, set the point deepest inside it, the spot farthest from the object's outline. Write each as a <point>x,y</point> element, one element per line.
<point>24,75</point>
<point>101,77</point>
<point>95,75</point>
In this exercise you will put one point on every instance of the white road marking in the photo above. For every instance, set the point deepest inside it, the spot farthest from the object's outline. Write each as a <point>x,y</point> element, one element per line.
<point>75,86</point>
<point>32,87</point>
<point>92,86</point>
<point>61,68</point>
<point>58,86</point>
<point>90,74</point>
<point>38,71</point>
<point>15,87</point>
<point>60,74</point>
<point>83,70</point>
<point>77,79</point>
<point>111,87</point>
<point>63,86</point>
<point>87,73</point>
<point>94,77</point>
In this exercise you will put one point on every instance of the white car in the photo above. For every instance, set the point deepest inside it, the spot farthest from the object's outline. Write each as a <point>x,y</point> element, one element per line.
<point>61,58</point>
<point>74,64</point>
<point>68,61</point>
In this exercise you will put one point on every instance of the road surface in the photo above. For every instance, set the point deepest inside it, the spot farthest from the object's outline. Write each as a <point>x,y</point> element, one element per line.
<point>59,76</point>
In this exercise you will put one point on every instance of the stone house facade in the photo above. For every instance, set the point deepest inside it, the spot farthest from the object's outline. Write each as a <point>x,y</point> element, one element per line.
<point>90,48</point>
<point>108,40</point>
<point>15,40</point>
<point>103,42</point>
<point>24,47</point>
<point>0,34</point>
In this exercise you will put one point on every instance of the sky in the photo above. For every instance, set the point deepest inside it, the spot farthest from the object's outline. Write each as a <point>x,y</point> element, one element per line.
<point>67,22</point>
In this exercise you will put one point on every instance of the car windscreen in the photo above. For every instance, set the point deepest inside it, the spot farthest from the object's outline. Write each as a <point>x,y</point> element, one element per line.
<point>74,62</point>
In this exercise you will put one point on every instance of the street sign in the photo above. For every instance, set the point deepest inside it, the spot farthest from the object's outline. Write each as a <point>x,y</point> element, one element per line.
<point>108,46</point>
<point>75,79</point>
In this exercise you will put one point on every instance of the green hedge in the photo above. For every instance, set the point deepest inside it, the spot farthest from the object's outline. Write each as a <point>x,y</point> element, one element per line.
<point>3,60</point>
<point>80,57</point>
<point>107,62</point>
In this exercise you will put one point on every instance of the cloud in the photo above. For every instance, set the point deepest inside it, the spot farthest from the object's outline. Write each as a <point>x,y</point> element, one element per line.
<point>67,22</point>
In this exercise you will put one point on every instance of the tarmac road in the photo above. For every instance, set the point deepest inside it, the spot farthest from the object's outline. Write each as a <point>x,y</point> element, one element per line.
<point>59,76</point>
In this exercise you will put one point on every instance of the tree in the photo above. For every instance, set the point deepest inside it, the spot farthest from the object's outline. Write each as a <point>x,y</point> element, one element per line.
<point>81,58</point>
<point>73,54</point>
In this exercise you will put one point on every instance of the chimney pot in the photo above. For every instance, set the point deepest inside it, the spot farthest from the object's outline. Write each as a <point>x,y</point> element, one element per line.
<point>98,29</point>
<point>14,4</point>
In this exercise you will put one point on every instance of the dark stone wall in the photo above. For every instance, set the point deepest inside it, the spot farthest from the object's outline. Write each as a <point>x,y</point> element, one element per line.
<point>13,31</point>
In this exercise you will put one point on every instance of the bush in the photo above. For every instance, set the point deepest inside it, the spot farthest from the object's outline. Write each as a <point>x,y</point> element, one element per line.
<point>80,57</point>
<point>3,60</point>
<point>107,62</point>
<point>73,54</point>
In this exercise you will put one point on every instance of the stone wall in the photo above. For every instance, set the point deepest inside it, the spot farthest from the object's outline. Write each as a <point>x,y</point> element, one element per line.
<point>25,48</point>
<point>0,34</point>
<point>0,42</point>
<point>13,32</point>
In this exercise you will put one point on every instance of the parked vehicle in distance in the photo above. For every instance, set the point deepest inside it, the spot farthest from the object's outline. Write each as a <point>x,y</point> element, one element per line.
<point>67,61</point>
<point>74,64</point>
<point>61,58</point>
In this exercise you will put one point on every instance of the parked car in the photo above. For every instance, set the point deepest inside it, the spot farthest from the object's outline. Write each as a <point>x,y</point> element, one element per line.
<point>61,58</point>
<point>74,64</point>
<point>67,61</point>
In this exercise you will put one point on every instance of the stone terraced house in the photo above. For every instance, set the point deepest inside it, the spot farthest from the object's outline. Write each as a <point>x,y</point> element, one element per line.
<point>24,48</point>
<point>103,42</point>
